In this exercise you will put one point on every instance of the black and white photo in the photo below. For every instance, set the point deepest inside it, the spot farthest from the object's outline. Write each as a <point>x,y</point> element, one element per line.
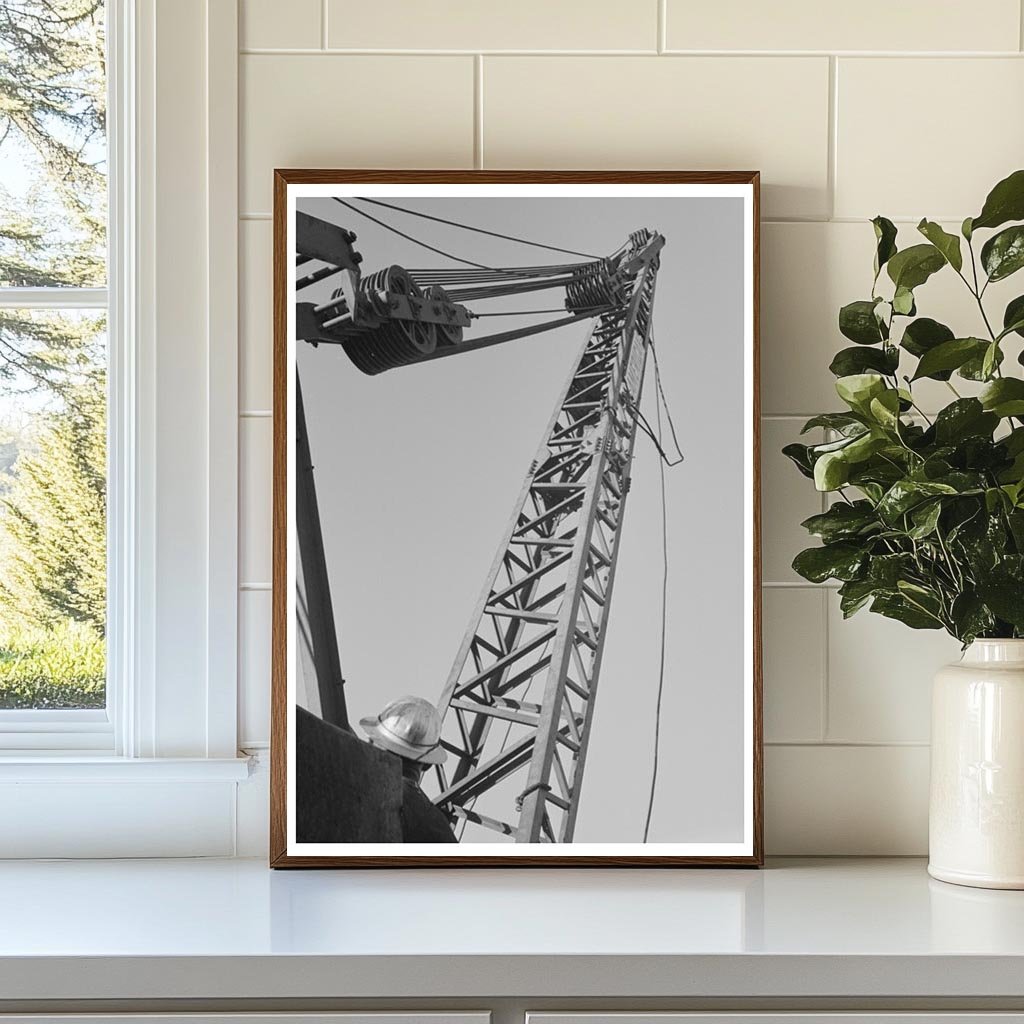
<point>515,540</point>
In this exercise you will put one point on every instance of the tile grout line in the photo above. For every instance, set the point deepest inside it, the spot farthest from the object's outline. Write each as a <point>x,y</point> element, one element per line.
<point>478,111</point>
<point>799,585</point>
<point>826,652</point>
<point>824,723</point>
<point>662,28</point>
<point>854,744</point>
<point>355,51</point>
<point>1020,25</point>
<point>323,24</point>
<point>833,134</point>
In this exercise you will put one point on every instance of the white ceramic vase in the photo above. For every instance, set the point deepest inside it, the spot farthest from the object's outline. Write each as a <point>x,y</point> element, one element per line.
<point>976,813</point>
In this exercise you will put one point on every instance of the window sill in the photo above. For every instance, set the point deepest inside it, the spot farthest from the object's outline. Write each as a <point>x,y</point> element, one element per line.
<point>80,806</point>
<point>79,767</point>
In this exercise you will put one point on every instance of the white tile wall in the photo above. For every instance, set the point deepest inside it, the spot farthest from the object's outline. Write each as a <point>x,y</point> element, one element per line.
<point>971,110</point>
<point>906,109</point>
<point>693,112</point>
<point>472,25</point>
<point>872,25</point>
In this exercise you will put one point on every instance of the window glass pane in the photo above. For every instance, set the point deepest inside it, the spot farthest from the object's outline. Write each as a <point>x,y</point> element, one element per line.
<point>52,509</point>
<point>53,151</point>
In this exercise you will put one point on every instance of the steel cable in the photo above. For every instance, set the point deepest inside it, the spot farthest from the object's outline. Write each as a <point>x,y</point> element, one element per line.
<point>481,231</point>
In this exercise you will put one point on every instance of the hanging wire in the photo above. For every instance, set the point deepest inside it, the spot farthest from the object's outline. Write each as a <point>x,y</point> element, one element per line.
<point>661,393</point>
<point>504,272</point>
<point>664,629</point>
<point>645,425</point>
<point>482,231</point>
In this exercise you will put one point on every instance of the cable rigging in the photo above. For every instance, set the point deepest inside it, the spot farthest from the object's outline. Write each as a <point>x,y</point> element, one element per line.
<point>504,272</point>
<point>481,231</point>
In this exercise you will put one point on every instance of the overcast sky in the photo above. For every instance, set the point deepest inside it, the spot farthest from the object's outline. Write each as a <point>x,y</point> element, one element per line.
<point>418,470</point>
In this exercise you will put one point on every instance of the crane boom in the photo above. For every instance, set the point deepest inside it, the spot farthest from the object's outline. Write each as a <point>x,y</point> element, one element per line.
<point>541,622</point>
<point>518,704</point>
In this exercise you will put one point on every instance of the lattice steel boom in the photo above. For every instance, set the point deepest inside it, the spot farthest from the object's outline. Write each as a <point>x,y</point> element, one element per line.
<point>519,700</point>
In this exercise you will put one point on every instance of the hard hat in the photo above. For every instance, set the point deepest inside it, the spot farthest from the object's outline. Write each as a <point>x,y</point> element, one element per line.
<point>409,727</point>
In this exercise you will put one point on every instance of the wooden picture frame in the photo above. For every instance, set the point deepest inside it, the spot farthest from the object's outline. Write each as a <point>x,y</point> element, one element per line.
<point>334,790</point>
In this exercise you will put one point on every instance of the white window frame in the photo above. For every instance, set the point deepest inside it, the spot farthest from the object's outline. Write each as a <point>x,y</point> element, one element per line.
<point>172,512</point>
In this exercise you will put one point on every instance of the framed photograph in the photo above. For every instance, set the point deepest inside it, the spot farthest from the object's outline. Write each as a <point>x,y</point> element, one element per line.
<point>480,657</point>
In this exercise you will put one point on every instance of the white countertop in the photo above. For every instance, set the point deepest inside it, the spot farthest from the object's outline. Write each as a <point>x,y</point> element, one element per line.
<point>235,929</point>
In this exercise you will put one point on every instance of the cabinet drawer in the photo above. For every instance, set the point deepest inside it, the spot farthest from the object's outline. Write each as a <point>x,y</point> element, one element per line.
<point>355,1017</point>
<point>851,1017</point>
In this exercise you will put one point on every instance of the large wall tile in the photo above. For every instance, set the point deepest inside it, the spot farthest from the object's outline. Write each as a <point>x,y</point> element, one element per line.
<point>961,130</point>
<point>787,499</point>
<point>255,309</point>
<point>847,801</point>
<point>793,627</point>
<point>869,25</point>
<point>808,271</point>
<point>471,25</point>
<point>254,667</point>
<point>880,676</point>
<point>255,442</point>
<point>334,110</point>
<point>272,24</point>
<point>693,113</point>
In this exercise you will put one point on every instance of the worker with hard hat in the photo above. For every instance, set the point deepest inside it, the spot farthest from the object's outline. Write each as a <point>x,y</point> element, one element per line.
<point>411,728</point>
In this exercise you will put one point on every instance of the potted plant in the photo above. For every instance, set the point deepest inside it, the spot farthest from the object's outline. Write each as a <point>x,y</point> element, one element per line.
<point>926,521</point>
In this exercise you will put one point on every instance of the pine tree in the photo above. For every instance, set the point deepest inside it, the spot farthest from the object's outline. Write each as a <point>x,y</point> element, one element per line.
<point>52,125</point>
<point>53,234</point>
<point>53,521</point>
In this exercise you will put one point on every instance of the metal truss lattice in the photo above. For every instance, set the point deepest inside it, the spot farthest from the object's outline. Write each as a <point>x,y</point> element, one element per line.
<point>519,701</point>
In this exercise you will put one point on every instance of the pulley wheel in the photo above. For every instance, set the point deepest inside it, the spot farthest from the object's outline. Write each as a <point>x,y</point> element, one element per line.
<point>447,334</point>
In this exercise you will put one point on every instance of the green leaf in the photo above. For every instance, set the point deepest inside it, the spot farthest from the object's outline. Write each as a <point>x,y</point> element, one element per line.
<point>885,238</point>
<point>965,229</point>
<point>925,518</point>
<point>799,455</point>
<point>1004,397</point>
<point>947,244</point>
<point>924,334</point>
<point>950,355</point>
<point>885,409</point>
<point>831,471</point>
<point>970,616</point>
<point>903,302</point>
<point>842,561</point>
<point>912,267</point>
<point>1003,254</point>
<point>964,418</point>
<point>906,494</point>
<point>842,521</point>
<point>865,446</point>
<point>857,321</point>
<point>974,368</point>
<point>899,608</point>
<point>1013,316</point>
<point>849,361</point>
<point>990,360</point>
<point>1005,596</point>
<point>1005,202</point>
<point>844,422</point>
<point>855,594</point>
<point>887,570</point>
<point>858,389</point>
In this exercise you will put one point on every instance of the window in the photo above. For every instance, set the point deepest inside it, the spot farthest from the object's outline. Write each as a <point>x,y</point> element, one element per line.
<point>53,370</point>
<point>134,279</point>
